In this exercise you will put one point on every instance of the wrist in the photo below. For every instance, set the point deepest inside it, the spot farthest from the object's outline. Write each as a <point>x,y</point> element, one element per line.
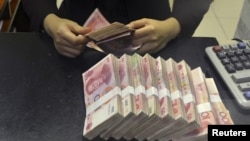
<point>175,27</point>
<point>48,21</point>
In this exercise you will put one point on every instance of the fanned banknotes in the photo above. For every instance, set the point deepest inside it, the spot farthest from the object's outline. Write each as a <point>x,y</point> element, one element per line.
<point>204,107</point>
<point>222,115</point>
<point>153,103</point>
<point>186,87</point>
<point>146,98</point>
<point>128,100</point>
<point>177,104</point>
<point>140,95</point>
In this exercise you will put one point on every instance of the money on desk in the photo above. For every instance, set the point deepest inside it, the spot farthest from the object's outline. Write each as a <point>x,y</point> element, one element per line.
<point>108,37</point>
<point>146,98</point>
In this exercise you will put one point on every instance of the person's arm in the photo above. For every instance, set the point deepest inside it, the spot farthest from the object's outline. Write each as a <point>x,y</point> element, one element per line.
<point>68,36</point>
<point>37,10</point>
<point>154,34</point>
<point>189,13</point>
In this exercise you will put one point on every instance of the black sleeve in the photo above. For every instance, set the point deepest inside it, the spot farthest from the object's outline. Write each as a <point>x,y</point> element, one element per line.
<point>37,10</point>
<point>190,13</point>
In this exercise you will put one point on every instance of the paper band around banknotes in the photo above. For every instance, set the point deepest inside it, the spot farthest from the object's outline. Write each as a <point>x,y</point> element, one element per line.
<point>140,89</point>
<point>215,98</point>
<point>163,92</point>
<point>188,98</point>
<point>151,91</point>
<point>127,90</point>
<point>102,100</point>
<point>204,107</point>
<point>176,94</point>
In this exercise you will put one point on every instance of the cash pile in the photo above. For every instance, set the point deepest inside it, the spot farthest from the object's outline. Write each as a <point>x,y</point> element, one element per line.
<point>149,98</point>
<point>108,37</point>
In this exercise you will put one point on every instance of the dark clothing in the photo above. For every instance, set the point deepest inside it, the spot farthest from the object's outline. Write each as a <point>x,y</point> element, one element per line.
<point>188,12</point>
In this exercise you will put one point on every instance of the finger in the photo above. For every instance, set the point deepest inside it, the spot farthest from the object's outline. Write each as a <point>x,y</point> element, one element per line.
<point>69,50</point>
<point>65,44</point>
<point>142,40</point>
<point>159,47</point>
<point>151,47</point>
<point>66,54</point>
<point>74,50</point>
<point>82,30</point>
<point>137,23</point>
<point>75,37</point>
<point>76,42</point>
<point>145,48</point>
<point>147,38</point>
<point>147,31</point>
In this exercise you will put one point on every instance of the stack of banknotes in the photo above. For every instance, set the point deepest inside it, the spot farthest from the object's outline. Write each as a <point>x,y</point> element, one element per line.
<point>147,98</point>
<point>108,37</point>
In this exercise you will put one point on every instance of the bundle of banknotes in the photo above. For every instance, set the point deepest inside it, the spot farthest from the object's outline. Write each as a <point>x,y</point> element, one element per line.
<point>109,37</point>
<point>147,98</point>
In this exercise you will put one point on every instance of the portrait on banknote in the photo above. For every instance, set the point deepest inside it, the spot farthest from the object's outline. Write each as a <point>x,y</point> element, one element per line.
<point>98,82</point>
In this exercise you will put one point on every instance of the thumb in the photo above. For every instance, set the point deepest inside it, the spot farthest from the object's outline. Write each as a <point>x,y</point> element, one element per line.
<point>137,24</point>
<point>77,29</point>
<point>84,30</point>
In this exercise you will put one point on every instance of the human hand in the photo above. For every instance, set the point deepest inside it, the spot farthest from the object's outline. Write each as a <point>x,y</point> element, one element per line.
<point>152,34</point>
<point>68,36</point>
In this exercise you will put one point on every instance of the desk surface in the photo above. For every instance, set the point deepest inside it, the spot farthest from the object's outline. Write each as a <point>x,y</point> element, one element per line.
<point>41,91</point>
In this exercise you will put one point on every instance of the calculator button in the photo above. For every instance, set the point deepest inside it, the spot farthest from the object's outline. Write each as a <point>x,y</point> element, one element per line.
<point>225,61</point>
<point>246,51</point>
<point>238,52</point>
<point>246,64</point>
<point>221,55</point>
<point>239,66</point>
<point>243,58</point>
<point>241,45</point>
<point>247,95</point>
<point>241,77</point>
<point>234,59</point>
<point>230,68</point>
<point>244,86</point>
<point>230,53</point>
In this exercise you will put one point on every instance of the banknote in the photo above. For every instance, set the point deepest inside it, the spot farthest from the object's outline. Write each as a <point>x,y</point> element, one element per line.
<point>183,72</point>
<point>140,95</point>
<point>101,80</point>
<point>102,96</point>
<point>128,99</point>
<point>185,79</point>
<point>128,91</point>
<point>139,83</point>
<point>175,91</point>
<point>152,98</point>
<point>147,98</point>
<point>96,20</point>
<point>115,38</point>
<point>221,113</point>
<point>176,101</point>
<point>165,107</point>
<point>108,33</point>
<point>163,89</point>
<point>204,107</point>
<point>108,37</point>
<point>108,115</point>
